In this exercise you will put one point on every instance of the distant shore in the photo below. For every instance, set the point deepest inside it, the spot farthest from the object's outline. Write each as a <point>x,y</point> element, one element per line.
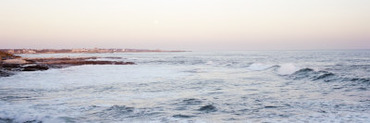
<point>82,50</point>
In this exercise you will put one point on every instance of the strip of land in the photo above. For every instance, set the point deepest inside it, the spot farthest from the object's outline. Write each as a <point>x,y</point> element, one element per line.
<point>82,50</point>
<point>10,64</point>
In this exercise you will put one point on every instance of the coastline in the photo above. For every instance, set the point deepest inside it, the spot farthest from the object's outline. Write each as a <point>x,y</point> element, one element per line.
<point>83,50</point>
<point>11,64</point>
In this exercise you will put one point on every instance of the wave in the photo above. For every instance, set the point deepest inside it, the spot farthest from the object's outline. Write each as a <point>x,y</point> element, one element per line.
<point>8,120</point>
<point>29,118</point>
<point>281,69</point>
<point>363,80</point>
<point>120,109</point>
<point>326,76</point>
<point>286,69</point>
<point>296,73</point>
<point>309,73</point>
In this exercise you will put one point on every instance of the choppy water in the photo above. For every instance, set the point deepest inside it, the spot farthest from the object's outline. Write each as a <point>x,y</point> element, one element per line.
<point>269,86</point>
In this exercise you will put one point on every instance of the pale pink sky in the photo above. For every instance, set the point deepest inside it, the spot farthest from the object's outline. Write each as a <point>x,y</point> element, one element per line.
<point>186,24</point>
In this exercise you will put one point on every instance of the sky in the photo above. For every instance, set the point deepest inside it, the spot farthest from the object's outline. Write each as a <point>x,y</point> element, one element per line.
<point>186,24</point>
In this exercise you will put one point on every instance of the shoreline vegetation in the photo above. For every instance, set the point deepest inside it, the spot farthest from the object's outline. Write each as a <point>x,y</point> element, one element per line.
<point>11,64</point>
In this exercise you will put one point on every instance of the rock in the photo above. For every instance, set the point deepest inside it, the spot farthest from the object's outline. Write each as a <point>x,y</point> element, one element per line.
<point>39,64</point>
<point>4,73</point>
<point>6,55</point>
<point>60,59</point>
<point>57,62</point>
<point>30,61</point>
<point>79,62</point>
<point>113,57</point>
<point>11,67</point>
<point>15,61</point>
<point>26,67</point>
<point>35,67</point>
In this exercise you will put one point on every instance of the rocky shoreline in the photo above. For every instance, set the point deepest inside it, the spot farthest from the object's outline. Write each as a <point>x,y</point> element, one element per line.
<point>10,64</point>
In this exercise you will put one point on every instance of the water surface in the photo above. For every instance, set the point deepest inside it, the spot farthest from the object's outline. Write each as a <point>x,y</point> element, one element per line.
<point>268,86</point>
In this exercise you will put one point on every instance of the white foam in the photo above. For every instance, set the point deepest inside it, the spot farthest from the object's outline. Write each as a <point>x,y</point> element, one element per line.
<point>209,63</point>
<point>89,75</point>
<point>25,112</point>
<point>259,66</point>
<point>62,98</point>
<point>286,69</point>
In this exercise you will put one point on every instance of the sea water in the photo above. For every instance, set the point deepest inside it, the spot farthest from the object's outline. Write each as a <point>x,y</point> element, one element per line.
<point>248,86</point>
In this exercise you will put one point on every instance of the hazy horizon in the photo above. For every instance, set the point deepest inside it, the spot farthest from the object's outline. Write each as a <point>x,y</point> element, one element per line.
<point>202,25</point>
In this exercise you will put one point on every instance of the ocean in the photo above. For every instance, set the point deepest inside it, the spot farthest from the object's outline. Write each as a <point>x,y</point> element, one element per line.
<point>238,86</point>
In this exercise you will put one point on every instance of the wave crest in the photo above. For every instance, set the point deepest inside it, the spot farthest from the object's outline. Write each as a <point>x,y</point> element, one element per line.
<point>311,74</point>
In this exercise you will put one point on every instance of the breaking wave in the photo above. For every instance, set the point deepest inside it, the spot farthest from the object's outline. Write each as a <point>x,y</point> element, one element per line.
<point>296,73</point>
<point>286,69</point>
<point>260,66</point>
<point>326,76</point>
